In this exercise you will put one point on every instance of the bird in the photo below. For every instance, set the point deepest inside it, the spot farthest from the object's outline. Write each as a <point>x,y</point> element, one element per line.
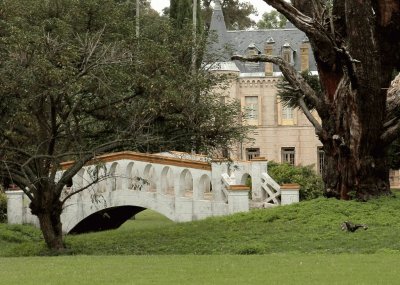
<point>350,227</point>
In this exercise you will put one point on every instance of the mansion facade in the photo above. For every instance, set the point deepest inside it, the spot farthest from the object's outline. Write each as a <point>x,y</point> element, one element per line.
<point>281,134</point>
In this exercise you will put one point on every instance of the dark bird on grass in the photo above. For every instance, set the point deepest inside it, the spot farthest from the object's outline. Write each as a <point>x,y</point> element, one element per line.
<point>350,227</point>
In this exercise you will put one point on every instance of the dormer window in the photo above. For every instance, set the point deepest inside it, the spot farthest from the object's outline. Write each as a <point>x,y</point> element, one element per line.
<point>288,53</point>
<point>252,50</point>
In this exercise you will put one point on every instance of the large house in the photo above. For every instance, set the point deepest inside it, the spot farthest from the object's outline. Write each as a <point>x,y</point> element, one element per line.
<point>281,133</point>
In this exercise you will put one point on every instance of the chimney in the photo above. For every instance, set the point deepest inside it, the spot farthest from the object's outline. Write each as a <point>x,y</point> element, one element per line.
<point>304,55</point>
<point>269,47</point>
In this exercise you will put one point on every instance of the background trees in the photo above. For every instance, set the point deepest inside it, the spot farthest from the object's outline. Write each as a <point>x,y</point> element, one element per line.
<point>272,20</point>
<point>76,82</point>
<point>236,14</point>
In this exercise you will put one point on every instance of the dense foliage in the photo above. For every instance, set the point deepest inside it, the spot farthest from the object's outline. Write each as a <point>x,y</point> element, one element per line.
<point>76,82</point>
<point>272,20</point>
<point>311,184</point>
<point>289,96</point>
<point>236,13</point>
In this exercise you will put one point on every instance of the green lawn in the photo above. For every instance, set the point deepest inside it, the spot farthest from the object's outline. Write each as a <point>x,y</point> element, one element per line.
<point>216,269</point>
<point>297,244</point>
<point>307,227</point>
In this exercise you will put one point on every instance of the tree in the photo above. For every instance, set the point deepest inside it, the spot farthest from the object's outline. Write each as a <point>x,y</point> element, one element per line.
<point>356,56</point>
<point>272,20</point>
<point>181,13</point>
<point>75,83</point>
<point>236,13</point>
<point>181,17</point>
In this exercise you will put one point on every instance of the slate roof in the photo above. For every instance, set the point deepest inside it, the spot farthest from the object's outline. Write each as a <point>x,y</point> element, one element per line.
<point>239,41</point>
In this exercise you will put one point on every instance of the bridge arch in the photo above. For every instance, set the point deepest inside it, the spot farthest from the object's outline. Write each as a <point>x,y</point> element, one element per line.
<point>114,179</point>
<point>246,179</point>
<point>205,187</point>
<point>129,175</point>
<point>107,215</point>
<point>150,177</point>
<point>186,183</point>
<point>167,181</point>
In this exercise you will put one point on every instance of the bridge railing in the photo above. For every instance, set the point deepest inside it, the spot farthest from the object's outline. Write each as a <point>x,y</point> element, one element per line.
<point>237,196</point>
<point>271,188</point>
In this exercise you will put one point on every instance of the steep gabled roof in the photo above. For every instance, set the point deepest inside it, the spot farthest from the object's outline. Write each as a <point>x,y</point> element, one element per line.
<point>239,41</point>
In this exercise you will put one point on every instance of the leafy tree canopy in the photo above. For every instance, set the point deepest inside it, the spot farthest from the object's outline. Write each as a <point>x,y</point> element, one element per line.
<point>236,13</point>
<point>272,20</point>
<point>75,82</point>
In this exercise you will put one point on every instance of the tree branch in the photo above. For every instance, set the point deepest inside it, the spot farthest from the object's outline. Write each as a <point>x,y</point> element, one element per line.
<point>297,82</point>
<point>74,169</point>
<point>300,20</point>
<point>98,179</point>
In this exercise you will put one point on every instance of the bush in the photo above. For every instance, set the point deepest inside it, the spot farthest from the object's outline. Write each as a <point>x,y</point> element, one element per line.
<point>311,184</point>
<point>3,206</point>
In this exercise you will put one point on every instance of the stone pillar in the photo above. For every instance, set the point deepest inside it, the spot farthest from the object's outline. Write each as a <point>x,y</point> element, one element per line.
<point>258,166</point>
<point>304,56</point>
<point>217,168</point>
<point>289,194</point>
<point>15,207</point>
<point>269,67</point>
<point>238,199</point>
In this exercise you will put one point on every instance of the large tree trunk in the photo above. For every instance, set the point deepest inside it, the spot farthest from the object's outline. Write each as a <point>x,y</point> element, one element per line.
<point>347,176</point>
<point>48,209</point>
<point>357,166</point>
<point>356,49</point>
<point>51,227</point>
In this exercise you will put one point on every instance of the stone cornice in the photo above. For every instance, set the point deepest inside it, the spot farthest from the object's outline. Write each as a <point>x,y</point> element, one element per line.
<point>145,157</point>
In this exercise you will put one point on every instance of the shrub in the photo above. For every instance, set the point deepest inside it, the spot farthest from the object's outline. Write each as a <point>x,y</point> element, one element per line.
<point>311,184</point>
<point>3,206</point>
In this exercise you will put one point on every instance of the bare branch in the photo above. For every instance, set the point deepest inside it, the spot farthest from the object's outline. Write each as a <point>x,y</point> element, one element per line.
<point>297,82</point>
<point>98,179</point>
<point>290,73</point>
<point>300,20</point>
<point>74,169</point>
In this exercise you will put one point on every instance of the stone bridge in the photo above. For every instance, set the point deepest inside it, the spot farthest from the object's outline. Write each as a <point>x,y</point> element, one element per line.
<point>177,185</point>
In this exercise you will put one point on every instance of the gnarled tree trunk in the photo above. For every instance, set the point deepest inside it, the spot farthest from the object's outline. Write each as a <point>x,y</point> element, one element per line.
<point>48,209</point>
<point>357,57</point>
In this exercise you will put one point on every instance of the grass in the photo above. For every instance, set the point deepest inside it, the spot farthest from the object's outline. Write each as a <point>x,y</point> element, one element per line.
<point>190,269</point>
<point>296,244</point>
<point>307,227</point>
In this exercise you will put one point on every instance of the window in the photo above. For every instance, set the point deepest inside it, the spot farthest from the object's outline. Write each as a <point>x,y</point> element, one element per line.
<point>288,53</point>
<point>252,153</point>
<point>251,107</point>
<point>287,113</point>
<point>288,154</point>
<point>286,56</point>
<point>321,160</point>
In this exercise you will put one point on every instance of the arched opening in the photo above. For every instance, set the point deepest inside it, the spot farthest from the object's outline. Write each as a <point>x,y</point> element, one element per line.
<point>246,180</point>
<point>205,187</point>
<point>106,219</point>
<point>129,176</point>
<point>186,184</point>
<point>149,176</point>
<point>167,181</point>
<point>113,179</point>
